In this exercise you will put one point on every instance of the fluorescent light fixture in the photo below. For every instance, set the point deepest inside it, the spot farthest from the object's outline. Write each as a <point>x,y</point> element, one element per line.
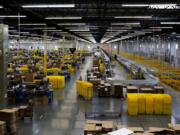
<point>54,30</point>
<point>135,23</point>
<point>44,28</point>
<point>71,24</point>
<point>114,30</point>
<point>124,17</point>
<point>13,35</point>
<point>161,27</point>
<point>81,30</point>
<point>12,30</point>
<point>57,18</point>
<point>33,24</point>
<point>49,6</point>
<point>1,6</point>
<point>12,16</point>
<point>134,5</point>
<point>24,32</point>
<point>173,23</point>
<point>158,6</point>
<point>163,6</point>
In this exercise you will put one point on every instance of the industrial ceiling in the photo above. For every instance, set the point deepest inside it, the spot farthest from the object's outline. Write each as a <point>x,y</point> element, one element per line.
<point>91,20</point>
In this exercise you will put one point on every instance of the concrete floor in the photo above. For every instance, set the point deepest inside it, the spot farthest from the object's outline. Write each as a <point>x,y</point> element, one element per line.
<point>66,115</point>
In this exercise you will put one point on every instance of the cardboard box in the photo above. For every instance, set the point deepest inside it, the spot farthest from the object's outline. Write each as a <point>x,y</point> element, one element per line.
<point>41,100</point>
<point>146,90</point>
<point>94,127</point>
<point>159,89</point>
<point>132,89</point>
<point>118,90</point>
<point>2,128</point>
<point>161,131</point>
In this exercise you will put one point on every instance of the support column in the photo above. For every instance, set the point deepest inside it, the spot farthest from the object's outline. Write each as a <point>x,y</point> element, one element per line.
<point>138,47</point>
<point>3,57</point>
<point>45,52</point>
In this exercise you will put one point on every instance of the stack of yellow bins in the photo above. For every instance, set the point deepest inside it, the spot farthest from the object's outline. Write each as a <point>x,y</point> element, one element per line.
<point>158,104</point>
<point>58,82</point>
<point>84,89</point>
<point>132,104</point>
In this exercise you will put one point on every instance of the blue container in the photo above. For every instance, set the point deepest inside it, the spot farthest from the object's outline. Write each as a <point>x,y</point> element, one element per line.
<point>49,94</point>
<point>20,96</point>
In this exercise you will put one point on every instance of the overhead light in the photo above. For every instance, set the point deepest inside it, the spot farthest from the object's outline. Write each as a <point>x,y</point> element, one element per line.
<point>135,23</point>
<point>12,30</point>
<point>1,6</point>
<point>32,24</point>
<point>54,18</point>
<point>71,24</point>
<point>12,16</point>
<point>55,30</point>
<point>114,30</point>
<point>49,6</point>
<point>13,35</point>
<point>147,30</point>
<point>23,32</point>
<point>79,30</point>
<point>173,23</point>
<point>134,5</point>
<point>44,28</point>
<point>123,17</point>
<point>161,27</point>
<point>158,6</point>
<point>163,6</point>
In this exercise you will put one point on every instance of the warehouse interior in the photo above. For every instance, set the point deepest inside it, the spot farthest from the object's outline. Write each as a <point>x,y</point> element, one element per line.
<point>83,67</point>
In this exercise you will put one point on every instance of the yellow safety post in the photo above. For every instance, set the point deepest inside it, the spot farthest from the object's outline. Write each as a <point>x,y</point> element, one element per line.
<point>34,52</point>
<point>17,52</point>
<point>9,50</point>
<point>137,55</point>
<point>45,53</point>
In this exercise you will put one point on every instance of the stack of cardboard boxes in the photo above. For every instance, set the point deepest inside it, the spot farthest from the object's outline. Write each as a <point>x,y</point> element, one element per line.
<point>10,116</point>
<point>93,127</point>
<point>104,90</point>
<point>118,90</point>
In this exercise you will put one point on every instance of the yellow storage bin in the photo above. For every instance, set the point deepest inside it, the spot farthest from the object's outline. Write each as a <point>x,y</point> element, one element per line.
<point>132,104</point>
<point>167,104</point>
<point>149,104</point>
<point>9,69</point>
<point>141,104</point>
<point>158,104</point>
